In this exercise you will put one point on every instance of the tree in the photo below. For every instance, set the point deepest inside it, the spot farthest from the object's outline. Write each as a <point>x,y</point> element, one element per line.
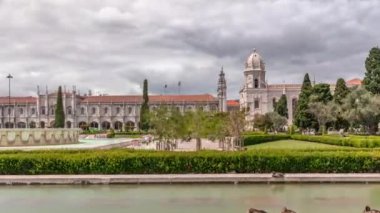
<point>361,107</point>
<point>282,106</point>
<point>59,112</point>
<point>278,122</point>
<point>322,93</point>
<point>323,113</point>
<point>198,126</point>
<point>235,125</point>
<point>262,122</point>
<point>144,112</point>
<point>341,91</point>
<point>303,118</point>
<point>372,76</point>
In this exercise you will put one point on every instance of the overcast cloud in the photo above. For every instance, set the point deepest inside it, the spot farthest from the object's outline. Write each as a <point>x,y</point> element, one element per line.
<point>111,46</point>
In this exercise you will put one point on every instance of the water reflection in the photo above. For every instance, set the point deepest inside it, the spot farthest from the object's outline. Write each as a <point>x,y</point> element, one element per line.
<point>310,198</point>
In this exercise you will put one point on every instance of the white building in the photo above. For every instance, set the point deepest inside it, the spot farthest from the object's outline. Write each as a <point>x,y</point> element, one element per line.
<point>259,97</point>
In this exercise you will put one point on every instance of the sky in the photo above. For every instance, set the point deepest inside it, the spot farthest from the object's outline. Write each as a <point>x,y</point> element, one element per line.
<point>110,47</point>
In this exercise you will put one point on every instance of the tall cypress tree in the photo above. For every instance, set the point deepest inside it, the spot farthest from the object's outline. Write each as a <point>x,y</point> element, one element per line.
<point>341,91</point>
<point>144,112</point>
<point>322,93</point>
<point>59,112</point>
<point>282,106</point>
<point>303,118</point>
<point>372,76</point>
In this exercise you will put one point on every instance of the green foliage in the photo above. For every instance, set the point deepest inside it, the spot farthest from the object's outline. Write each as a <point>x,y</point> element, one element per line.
<point>362,108</point>
<point>321,93</point>
<point>352,141</point>
<point>148,162</point>
<point>303,118</point>
<point>341,91</point>
<point>282,106</point>
<point>269,121</point>
<point>258,139</point>
<point>262,122</point>
<point>144,111</point>
<point>111,133</point>
<point>372,76</point>
<point>59,111</point>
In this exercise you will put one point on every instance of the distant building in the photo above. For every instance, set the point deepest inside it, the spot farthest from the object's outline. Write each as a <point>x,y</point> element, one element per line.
<point>259,97</point>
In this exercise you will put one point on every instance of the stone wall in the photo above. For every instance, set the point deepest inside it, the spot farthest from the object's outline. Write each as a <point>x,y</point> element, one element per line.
<point>36,137</point>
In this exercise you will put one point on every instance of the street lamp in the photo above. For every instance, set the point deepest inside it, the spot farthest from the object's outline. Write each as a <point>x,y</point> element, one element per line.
<point>9,100</point>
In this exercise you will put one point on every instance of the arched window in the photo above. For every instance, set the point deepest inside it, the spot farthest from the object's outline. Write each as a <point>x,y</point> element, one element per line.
<point>256,104</point>
<point>106,110</point>
<point>117,110</point>
<point>69,111</point>
<point>33,111</point>
<point>129,110</point>
<point>21,111</point>
<point>43,110</point>
<point>256,82</point>
<point>93,110</point>
<point>52,110</point>
<point>9,110</point>
<point>82,111</point>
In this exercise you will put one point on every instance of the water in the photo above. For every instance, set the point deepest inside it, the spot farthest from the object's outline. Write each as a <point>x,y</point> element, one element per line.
<point>310,198</point>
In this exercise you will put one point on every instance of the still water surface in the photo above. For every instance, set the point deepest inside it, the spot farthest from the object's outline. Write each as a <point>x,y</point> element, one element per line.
<point>310,198</point>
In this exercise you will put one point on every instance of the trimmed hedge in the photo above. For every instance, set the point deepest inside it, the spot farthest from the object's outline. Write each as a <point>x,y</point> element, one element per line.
<point>151,162</point>
<point>130,133</point>
<point>258,139</point>
<point>351,141</point>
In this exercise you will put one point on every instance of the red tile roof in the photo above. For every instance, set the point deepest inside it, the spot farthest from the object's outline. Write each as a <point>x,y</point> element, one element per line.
<point>152,98</point>
<point>18,100</point>
<point>354,82</point>
<point>233,103</point>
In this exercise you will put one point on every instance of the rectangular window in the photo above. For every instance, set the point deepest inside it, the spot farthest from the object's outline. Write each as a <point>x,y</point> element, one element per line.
<point>256,104</point>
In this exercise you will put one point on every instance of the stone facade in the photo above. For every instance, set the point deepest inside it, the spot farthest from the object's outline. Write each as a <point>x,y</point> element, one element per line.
<point>257,96</point>
<point>102,112</point>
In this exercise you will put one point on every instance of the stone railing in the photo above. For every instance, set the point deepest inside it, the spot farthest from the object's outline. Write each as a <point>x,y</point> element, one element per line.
<point>36,137</point>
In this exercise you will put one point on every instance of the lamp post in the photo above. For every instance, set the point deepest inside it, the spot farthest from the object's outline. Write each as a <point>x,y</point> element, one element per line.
<point>9,100</point>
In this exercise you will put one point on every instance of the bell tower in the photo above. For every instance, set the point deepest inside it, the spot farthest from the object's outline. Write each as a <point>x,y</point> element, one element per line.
<point>254,72</point>
<point>222,92</point>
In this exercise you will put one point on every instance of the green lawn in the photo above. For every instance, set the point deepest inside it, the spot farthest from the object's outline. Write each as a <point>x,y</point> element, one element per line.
<point>293,144</point>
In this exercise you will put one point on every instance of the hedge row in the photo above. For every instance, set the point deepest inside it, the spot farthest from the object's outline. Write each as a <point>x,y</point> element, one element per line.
<point>257,139</point>
<point>143,162</point>
<point>351,141</point>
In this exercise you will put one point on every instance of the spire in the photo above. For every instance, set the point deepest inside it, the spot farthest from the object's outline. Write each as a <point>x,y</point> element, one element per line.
<point>222,91</point>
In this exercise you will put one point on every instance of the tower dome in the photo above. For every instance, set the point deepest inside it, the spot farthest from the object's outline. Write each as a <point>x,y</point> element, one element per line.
<point>255,62</point>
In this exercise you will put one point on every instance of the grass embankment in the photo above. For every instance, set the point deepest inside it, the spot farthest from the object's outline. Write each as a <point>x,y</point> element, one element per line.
<point>350,141</point>
<point>294,144</point>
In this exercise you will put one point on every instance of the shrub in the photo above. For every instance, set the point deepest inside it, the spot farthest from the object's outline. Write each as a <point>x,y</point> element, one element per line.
<point>352,141</point>
<point>152,162</point>
<point>111,133</point>
<point>257,139</point>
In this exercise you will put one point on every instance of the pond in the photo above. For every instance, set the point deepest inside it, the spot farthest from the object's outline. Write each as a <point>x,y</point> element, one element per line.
<point>210,198</point>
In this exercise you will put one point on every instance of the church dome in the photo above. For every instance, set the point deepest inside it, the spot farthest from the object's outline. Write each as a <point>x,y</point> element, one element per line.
<point>255,62</point>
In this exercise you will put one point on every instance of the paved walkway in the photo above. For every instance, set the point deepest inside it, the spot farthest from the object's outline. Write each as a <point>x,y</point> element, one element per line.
<point>186,178</point>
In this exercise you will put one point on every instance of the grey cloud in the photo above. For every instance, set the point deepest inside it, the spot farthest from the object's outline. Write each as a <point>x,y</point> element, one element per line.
<point>111,46</point>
